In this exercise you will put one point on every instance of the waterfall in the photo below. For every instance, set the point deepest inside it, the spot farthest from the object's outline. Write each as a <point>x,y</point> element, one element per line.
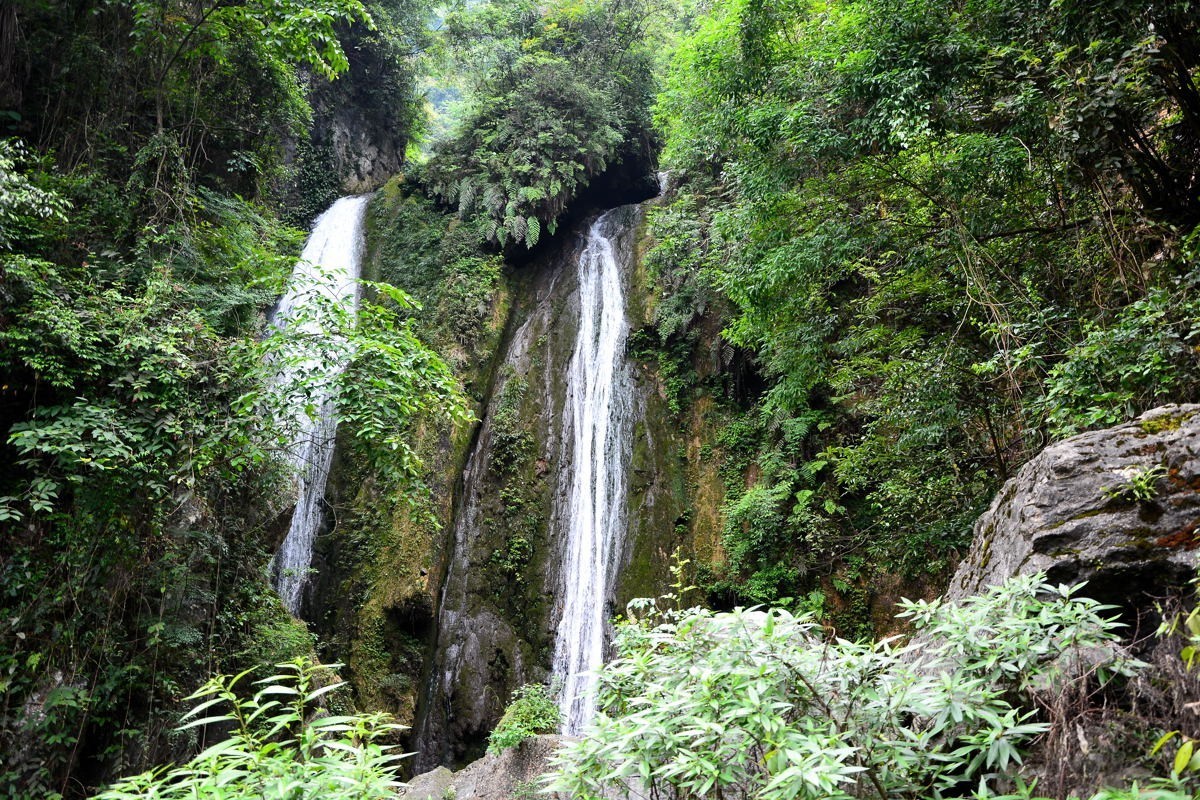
<point>597,423</point>
<point>327,272</point>
<point>565,346</point>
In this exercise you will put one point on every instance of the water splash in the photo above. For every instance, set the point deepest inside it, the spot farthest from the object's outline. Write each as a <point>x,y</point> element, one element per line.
<point>328,271</point>
<point>597,423</point>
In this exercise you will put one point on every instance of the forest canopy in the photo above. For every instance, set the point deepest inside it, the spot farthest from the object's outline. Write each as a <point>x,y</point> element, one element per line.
<point>945,234</point>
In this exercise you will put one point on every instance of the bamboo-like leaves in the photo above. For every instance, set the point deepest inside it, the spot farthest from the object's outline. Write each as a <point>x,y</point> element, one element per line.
<point>273,749</point>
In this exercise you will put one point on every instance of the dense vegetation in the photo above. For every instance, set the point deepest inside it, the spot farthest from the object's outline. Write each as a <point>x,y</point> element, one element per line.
<point>279,745</point>
<point>760,704</point>
<point>905,245</point>
<point>944,234</point>
<point>141,244</point>
<point>557,92</point>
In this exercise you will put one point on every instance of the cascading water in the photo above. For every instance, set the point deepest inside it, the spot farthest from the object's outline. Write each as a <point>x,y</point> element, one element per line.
<point>327,272</point>
<point>597,423</point>
<point>554,447</point>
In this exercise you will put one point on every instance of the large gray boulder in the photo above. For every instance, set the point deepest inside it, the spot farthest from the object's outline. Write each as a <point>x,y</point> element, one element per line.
<point>1117,508</point>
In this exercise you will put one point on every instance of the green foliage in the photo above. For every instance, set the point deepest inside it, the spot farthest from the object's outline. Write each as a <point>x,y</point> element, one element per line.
<point>697,703</point>
<point>131,474</point>
<point>558,93</point>
<point>171,92</point>
<point>1144,357</point>
<point>531,711</point>
<point>392,379</point>
<point>1148,792</point>
<point>676,266</point>
<point>1186,760</point>
<point>274,746</point>
<point>511,443</point>
<point>24,207</point>
<point>952,231</point>
<point>1141,486</point>
<point>142,459</point>
<point>441,261</point>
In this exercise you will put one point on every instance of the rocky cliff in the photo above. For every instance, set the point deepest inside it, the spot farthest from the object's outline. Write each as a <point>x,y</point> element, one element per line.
<point>499,604</point>
<point>1119,509</point>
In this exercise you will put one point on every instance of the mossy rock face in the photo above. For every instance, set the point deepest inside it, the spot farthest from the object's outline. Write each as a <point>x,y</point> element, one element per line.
<point>380,566</point>
<point>657,503</point>
<point>440,609</point>
<point>499,616</point>
<point>495,629</point>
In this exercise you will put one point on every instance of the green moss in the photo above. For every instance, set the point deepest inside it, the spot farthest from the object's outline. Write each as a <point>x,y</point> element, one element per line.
<point>277,637</point>
<point>1165,422</point>
<point>384,555</point>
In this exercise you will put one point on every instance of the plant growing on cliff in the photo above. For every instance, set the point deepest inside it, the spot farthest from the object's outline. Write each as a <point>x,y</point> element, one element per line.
<point>1141,485</point>
<point>275,749</point>
<point>391,376</point>
<point>557,91</point>
<point>532,711</point>
<point>698,703</point>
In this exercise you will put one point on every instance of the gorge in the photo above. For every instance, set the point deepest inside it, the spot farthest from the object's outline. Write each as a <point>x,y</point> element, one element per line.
<point>914,315</point>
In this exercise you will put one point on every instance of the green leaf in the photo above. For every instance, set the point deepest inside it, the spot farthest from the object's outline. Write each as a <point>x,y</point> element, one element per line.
<point>1162,740</point>
<point>1183,757</point>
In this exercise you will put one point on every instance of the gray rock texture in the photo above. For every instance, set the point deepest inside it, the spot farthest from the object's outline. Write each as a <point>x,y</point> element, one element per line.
<point>514,774</point>
<point>365,154</point>
<point>1117,508</point>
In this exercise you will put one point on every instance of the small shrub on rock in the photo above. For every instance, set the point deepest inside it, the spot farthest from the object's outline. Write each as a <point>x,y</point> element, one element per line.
<point>532,711</point>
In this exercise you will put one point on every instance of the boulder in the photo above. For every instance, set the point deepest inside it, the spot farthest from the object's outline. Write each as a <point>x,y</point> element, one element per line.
<point>513,774</point>
<point>1117,508</point>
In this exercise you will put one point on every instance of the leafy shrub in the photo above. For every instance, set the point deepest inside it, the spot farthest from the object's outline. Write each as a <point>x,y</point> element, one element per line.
<point>558,90</point>
<point>760,704</point>
<point>532,711</point>
<point>275,749</point>
<point>1144,357</point>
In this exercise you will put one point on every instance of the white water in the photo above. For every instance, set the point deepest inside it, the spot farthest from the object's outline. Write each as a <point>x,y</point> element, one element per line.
<point>597,422</point>
<point>328,270</point>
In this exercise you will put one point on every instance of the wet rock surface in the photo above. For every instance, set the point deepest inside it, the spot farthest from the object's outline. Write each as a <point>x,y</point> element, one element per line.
<point>1117,508</point>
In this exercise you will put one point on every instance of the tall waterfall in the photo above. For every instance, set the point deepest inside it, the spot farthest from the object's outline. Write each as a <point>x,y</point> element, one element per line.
<point>597,424</point>
<point>328,271</point>
<point>564,389</point>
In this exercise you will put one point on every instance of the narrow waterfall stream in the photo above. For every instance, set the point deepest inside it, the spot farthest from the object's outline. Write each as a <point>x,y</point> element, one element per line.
<point>548,470</point>
<point>328,270</point>
<point>597,424</point>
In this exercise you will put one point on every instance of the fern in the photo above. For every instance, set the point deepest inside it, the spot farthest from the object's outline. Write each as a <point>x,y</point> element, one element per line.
<point>516,226</point>
<point>493,198</point>
<point>467,194</point>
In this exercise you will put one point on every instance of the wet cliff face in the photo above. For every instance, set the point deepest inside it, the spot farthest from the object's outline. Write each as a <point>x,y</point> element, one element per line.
<point>493,630</point>
<point>501,602</point>
<point>441,610</point>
